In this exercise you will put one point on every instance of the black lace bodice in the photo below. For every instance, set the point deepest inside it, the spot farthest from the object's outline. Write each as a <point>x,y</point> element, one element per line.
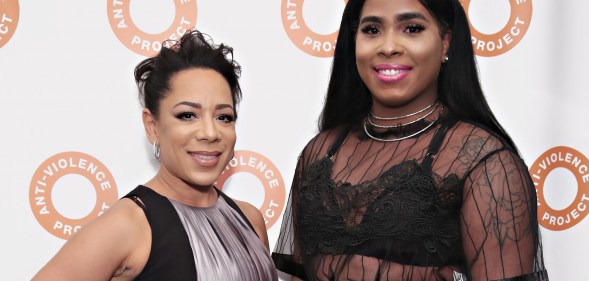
<point>454,203</point>
<point>406,208</point>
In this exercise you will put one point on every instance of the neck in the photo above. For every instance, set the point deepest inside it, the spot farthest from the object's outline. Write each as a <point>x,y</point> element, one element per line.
<point>403,109</point>
<point>179,190</point>
<point>401,131</point>
<point>405,118</point>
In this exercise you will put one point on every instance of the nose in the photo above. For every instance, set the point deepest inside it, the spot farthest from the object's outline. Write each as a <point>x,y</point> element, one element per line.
<point>390,45</point>
<point>207,130</point>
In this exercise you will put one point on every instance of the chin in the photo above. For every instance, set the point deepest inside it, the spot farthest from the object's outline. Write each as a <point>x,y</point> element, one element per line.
<point>201,184</point>
<point>205,181</point>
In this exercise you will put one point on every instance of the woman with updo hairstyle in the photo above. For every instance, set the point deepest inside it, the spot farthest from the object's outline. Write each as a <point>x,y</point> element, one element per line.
<point>178,225</point>
<point>411,177</point>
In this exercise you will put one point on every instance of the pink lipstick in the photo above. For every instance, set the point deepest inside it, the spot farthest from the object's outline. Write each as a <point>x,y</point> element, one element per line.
<point>391,73</point>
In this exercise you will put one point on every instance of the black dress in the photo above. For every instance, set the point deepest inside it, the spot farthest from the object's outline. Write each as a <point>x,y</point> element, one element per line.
<point>191,243</point>
<point>452,203</point>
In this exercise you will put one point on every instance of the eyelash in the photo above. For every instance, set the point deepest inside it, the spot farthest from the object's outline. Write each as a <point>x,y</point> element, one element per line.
<point>187,116</point>
<point>370,29</point>
<point>228,118</point>
<point>416,28</point>
<point>410,28</point>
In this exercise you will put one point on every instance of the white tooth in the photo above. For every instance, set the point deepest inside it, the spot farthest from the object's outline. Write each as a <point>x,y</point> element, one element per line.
<point>390,72</point>
<point>205,157</point>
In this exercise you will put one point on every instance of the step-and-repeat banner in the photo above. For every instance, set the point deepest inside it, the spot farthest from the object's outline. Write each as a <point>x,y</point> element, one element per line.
<point>72,141</point>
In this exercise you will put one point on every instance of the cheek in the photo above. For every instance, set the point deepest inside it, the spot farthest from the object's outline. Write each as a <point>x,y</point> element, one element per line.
<point>165,136</point>
<point>229,135</point>
<point>180,135</point>
<point>431,56</point>
<point>362,61</point>
<point>361,53</point>
<point>436,50</point>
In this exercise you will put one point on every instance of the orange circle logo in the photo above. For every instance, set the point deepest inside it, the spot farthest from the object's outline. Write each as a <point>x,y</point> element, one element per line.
<point>54,168</point>
<point>271,179</point>
<point>144,43</point>
<point>301,35</point>
<point>578,164</point>
<point>490,45</point>
<point>9,11</point>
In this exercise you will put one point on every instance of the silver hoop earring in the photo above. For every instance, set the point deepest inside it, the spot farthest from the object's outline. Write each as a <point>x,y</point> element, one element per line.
<point>156,150</point>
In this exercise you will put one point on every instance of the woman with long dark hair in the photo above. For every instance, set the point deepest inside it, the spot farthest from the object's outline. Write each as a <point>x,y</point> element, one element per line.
<point>411,176</point>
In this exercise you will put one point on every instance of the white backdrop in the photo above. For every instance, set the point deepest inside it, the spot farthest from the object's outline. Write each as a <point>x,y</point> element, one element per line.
<point>72,139</point>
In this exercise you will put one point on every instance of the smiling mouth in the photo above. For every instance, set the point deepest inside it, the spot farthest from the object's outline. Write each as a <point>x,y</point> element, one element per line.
<point>205,157</point>
<point>391,72</point>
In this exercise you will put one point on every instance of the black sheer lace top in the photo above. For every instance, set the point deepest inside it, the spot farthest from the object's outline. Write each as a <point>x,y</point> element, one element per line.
<point>453,203</point>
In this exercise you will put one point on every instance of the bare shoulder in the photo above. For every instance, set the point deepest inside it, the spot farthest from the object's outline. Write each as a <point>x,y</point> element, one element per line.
<point>256,219</point>
<point>251,212</point>
<point>117,243</point>
<point>123,219</point>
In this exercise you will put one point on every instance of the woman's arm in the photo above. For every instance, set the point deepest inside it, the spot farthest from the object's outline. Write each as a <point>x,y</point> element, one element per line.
<point>499,224</point>
<point>115,244</point>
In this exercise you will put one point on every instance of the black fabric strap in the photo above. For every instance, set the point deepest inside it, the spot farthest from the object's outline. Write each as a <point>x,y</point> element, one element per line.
<point>435,144</point>
<point>171,255</point>
<point>138,202</point>
<point>338,142</point>
<point>285,264</point>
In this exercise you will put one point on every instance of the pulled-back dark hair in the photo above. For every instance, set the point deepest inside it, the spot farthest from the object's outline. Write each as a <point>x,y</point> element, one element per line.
<point>193,50</point>
<point>348,100</point>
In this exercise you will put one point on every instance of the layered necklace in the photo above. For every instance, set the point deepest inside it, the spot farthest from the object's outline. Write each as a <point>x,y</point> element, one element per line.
<point>432,108</point>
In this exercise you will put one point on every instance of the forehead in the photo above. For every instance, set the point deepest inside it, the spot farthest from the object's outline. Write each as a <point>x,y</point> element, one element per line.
<point>390,8</point>
<point>198,84</point>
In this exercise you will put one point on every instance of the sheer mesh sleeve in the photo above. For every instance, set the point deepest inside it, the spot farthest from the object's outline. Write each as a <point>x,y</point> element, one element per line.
<point>499,227</point>
<point>287,253</point>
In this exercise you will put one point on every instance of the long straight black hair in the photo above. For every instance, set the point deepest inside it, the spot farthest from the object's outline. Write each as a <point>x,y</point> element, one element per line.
<point>348,100</point>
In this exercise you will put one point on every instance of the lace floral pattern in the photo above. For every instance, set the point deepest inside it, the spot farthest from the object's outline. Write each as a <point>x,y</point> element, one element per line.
<point>404,204</point>
<point>380,211</point>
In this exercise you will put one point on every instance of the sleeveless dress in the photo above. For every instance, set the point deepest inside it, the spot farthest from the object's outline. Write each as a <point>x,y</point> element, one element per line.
<point>191,243</point>
<point>453,203</point>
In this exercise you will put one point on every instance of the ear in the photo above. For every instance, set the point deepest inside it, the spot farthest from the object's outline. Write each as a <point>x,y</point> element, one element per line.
<point>446,39</point>
<point>149,122</point>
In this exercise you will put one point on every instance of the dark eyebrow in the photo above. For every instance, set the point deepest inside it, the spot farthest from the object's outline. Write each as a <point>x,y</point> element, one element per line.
<point>197,105</point>
<point>401,17</point>
<point>223,105</point>
<point>191,104</point>
<point>373,19</point>
<point>409,16</point>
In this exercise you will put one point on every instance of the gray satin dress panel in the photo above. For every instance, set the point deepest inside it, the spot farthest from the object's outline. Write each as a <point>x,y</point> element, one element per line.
<point>223,244</point>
